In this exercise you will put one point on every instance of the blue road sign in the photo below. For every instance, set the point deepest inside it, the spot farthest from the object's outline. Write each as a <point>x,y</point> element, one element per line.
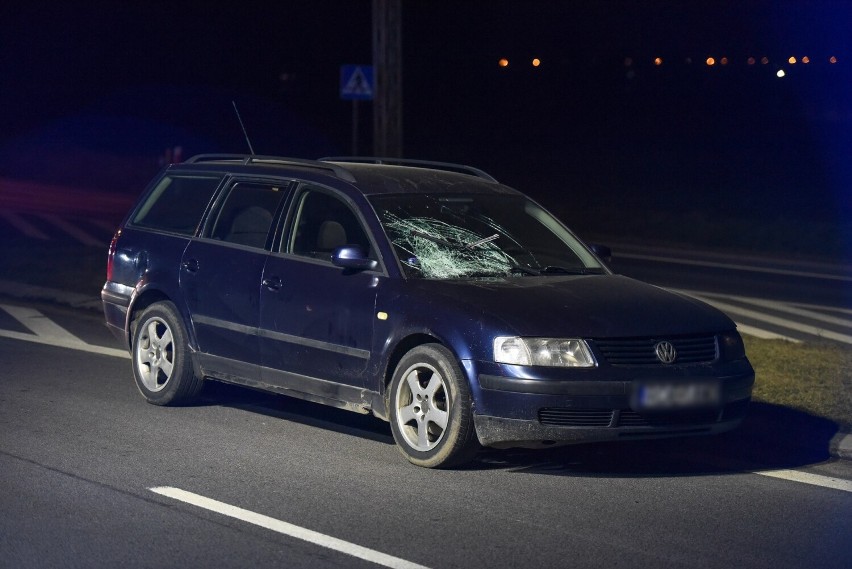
<point>356,82</point>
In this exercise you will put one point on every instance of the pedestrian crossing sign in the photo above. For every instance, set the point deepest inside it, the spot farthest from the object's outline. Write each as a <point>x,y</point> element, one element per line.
<point>356,82</point>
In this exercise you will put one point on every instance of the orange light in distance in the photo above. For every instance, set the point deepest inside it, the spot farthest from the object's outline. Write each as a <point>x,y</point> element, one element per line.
<point>503,62</point>
<point>806,59</point>
<point>711,62</point>
<point>658,61</point>
<point>832,59</point>
<point>792,60</point>
<point>536,62</point>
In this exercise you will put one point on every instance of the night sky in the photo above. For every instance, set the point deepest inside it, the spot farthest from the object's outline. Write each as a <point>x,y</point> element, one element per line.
<point>87,85</point>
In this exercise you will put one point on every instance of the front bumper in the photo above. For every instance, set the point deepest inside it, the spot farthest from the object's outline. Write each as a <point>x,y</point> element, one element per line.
<point>521,410</point>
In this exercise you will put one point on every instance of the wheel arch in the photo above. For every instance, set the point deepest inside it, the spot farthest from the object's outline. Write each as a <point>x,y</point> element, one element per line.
<point>402,347</point>
<point>145,299</point>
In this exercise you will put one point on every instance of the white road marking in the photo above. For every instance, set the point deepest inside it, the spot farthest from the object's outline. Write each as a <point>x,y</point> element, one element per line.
<point>764,334</point>
<point>733,310</point>
<point>748,268</point>
<point>47,332</point>
<point>41,325</point>
<point>807,478</point>
<point>787,308</point>
<point>72,230</point>
<point>783,322</point>
<point>286,528</point>
<point>24,226</point>
<point>107,226</point>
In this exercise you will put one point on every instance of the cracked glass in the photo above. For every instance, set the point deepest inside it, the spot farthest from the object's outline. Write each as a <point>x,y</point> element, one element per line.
<point>479,235</point>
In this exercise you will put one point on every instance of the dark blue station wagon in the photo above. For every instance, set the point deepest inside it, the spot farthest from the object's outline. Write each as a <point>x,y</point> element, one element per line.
<point>427,294</point>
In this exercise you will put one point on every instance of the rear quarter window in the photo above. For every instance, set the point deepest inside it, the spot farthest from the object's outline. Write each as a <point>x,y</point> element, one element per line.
<point>176,204</point>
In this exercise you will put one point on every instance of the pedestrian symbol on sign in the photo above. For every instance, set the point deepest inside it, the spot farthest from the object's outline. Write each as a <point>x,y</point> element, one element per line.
<point>356,82</point>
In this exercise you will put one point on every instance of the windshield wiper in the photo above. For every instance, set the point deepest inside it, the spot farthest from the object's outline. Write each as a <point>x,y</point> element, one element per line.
<point>483,241</point>
<point>554,270</point>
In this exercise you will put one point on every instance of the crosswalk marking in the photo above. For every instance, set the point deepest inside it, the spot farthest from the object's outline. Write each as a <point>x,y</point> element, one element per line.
<point>809,313</point>
<point>46,331</point>
<point>763,334</point>
<point>71,230</point>
<point>804,312</point>
<point>23,225</point>
<point>91,232</point>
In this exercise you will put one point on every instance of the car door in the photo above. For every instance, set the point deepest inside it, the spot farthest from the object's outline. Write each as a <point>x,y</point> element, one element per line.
<point>220,278</point>
<point>316,319</point>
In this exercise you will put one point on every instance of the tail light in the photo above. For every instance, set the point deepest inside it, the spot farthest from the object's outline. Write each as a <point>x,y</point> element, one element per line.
<point>111,257</point>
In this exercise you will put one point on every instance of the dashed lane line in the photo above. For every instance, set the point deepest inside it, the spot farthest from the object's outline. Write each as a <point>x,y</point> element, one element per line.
<point>286,528</point>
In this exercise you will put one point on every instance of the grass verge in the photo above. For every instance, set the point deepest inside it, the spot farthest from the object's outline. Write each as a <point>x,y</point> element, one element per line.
<point>811,377</point>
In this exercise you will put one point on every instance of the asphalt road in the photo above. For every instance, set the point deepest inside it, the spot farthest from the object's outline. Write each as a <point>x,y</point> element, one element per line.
<point>80,452</point>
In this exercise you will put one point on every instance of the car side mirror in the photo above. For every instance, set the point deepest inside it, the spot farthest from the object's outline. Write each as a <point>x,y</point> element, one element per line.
<point>352,257</point>
<point>603,252</point>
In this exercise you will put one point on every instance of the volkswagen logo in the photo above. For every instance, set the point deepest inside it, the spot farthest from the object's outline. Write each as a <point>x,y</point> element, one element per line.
<point>666,352</point>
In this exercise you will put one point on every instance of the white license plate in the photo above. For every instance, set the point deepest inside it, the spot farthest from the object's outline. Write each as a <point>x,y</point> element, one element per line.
<point>679,395</point>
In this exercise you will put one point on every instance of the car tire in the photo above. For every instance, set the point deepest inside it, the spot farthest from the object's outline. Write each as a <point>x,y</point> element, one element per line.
<point>430,409</point>
<point>160,356</point>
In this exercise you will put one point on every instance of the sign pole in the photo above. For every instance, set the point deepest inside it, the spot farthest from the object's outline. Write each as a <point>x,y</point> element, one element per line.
<point>356,84</point>
<point>354,127</point>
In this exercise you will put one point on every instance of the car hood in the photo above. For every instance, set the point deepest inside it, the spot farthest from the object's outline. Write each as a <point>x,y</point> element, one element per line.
<point>589,306</point>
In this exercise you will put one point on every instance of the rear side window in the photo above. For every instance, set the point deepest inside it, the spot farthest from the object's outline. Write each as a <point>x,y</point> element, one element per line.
<point>177,203</point>
<point>246,215</point>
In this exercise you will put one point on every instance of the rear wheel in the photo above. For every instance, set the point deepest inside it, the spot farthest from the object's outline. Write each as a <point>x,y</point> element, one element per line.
<point>161,363</point>
<point>430,409</point>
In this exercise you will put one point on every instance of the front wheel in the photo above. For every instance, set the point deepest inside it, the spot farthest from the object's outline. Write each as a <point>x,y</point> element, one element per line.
<point>430,409</point>
<point>161,364</point>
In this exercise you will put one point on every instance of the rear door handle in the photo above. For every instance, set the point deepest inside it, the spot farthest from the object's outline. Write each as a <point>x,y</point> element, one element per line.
<point>190,265</point>
<point>273,283</point>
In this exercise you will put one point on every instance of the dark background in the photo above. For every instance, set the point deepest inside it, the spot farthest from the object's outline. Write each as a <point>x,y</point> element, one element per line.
<point>99,94</point>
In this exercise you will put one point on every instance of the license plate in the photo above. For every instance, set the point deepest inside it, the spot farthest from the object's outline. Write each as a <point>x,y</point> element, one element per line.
<point>679,395</point>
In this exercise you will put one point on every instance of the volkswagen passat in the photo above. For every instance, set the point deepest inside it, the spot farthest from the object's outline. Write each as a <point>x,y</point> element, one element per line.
<point>427,294</point>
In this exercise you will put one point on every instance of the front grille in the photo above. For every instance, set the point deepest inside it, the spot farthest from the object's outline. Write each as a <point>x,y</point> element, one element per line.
<point>575,417</point>
<point>641,351</point>
<point>562,417</point>
<point>630,418</point>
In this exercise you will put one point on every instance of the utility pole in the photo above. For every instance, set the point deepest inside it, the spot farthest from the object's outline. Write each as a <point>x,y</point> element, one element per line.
<point>387,61</point>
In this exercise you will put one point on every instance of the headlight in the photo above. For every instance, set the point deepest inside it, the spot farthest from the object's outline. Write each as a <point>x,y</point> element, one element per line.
<point>559,352</point>
<point>731,347</point>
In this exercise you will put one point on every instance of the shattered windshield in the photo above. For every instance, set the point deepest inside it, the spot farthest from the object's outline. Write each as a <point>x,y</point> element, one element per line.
<point>480,235</point>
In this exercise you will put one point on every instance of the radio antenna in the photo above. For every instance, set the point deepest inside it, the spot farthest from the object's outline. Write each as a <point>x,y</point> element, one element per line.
<point>251,150</point>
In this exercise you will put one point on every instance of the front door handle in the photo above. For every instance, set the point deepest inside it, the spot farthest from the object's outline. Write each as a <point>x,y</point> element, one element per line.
<point>190,265</point>
<point>273,283</point>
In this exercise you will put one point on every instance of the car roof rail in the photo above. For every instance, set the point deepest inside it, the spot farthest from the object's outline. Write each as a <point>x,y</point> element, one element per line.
<point>246,159</point>
<point>448,166</point>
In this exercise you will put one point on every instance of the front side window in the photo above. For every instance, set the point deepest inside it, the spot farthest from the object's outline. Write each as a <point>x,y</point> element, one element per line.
<point>480,235</point>
<point>322,223</point>
<point>246,215</point>
<point>177,203</point>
